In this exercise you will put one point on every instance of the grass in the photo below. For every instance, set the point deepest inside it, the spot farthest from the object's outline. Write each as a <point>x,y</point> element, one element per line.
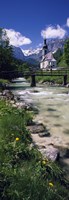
<point>4,81</point>
<point>24,174</point>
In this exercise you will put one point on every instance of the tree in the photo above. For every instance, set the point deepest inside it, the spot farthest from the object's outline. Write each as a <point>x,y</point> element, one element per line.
<point>5,51</point>
<point>4,41</point>
<point>66,52</point>
<point>9,66</point>
<point>58,55</point>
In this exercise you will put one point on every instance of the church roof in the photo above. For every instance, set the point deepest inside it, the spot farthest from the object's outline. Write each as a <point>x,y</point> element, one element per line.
<point>48,57</point>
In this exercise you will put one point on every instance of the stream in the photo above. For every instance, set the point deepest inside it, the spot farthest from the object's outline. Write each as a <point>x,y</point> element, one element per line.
<point>53,106</point>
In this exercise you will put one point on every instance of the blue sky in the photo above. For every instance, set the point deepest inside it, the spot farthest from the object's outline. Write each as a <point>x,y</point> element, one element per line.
<point>27,22</point>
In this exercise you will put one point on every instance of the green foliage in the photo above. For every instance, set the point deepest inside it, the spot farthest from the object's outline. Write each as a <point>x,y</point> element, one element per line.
<point>5,55</point>
<point>5,49</point>
<point>62,62</point>
<point>23,173</point>
<point>58,55</point>
<point>24,69</point>
<point>66,52</point>
<point>7,62</point>
<point>49,79</point>
<point>4,41</point>
<point>4,81</point>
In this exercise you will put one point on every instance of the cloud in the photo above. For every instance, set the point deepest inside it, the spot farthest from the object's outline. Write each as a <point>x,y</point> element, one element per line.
<point>16,38</point>
<point>39,45</point>
<point>53,32</point>
<point>67,24</point>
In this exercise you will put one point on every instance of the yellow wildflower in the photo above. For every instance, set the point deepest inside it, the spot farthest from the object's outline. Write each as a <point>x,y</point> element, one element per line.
<point>44,162</point>
<point>17,138</point>
<point>51,184</point>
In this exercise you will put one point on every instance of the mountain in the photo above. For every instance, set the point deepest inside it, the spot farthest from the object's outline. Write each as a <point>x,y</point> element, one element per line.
<point>32,61</point>
<point>34,56</point>
<point>55,44</point>
<point>33,53</point>
<point>17,53</point>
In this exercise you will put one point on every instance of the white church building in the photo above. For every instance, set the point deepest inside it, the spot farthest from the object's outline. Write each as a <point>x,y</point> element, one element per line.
<point>48,61</point>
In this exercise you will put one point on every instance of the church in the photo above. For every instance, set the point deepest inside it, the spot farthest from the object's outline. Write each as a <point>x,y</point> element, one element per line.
<point>48,61</point>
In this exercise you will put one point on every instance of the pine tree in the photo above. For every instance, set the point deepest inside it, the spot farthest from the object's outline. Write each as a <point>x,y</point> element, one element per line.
<point>5,51</point>
<point>66,52</point>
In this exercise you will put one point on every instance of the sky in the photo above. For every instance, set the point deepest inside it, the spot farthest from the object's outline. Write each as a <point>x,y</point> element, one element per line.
<point>27,22</point>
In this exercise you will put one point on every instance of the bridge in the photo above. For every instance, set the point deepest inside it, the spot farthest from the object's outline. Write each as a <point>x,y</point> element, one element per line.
<point>33,78</point>
<point>33,74</point>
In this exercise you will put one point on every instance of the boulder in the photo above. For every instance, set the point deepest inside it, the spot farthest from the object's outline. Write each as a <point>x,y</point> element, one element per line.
<point>8,94</point>
<point>67,85</point>
<point>36,128</point>
<point>64,151</point>
<point>20,105</point>
<point>50,152</point>
<point>44,134</point>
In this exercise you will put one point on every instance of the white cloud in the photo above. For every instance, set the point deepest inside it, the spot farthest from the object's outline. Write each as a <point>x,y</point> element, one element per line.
<point>52,32</point>
<point>16,38</point>
<point>67,24</point>
<point>39,45</point>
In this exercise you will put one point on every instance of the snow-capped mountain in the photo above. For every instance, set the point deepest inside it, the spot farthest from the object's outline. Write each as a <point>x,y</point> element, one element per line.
<point>53,45</point>
<point>35,55</point>
<point>18,54</point>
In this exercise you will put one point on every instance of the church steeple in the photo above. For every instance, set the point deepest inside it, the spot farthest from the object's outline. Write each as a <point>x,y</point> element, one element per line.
<point>45,48</point>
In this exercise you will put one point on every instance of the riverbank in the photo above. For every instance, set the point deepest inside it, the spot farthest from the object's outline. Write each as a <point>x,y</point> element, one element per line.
<point>24,173</point>
<point>23,99</point>
<point>47,138</point>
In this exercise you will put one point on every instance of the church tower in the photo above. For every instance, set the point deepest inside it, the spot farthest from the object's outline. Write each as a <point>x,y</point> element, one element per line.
<point>45,49</point>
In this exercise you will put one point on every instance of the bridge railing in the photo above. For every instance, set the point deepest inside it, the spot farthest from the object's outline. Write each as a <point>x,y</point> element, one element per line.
<point>53,72</point>
<point>58,72</point>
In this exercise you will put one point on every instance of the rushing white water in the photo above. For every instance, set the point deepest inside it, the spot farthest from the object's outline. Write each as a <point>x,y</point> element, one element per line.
<point>53,106</point>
